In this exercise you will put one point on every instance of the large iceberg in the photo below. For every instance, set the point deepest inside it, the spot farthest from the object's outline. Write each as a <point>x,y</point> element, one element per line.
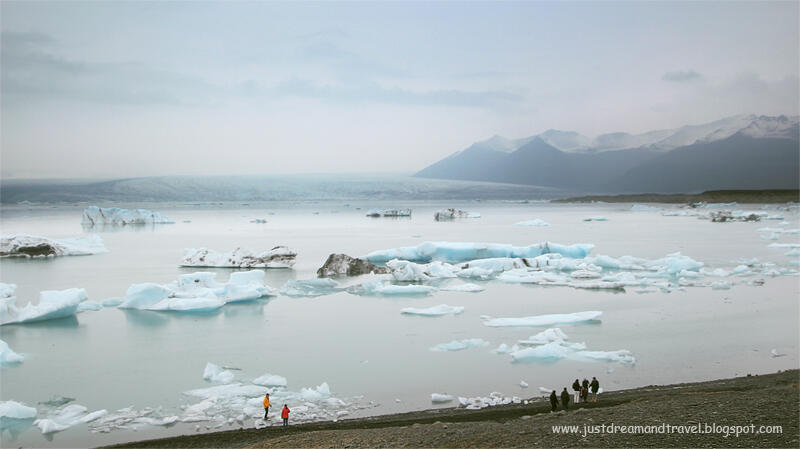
<point>458,345</point>
<point>8,356</point>
<point>441,309</point>
<point>277,257</point>
<point>453,252</point>
<point>15,410</point>
<point>93,216</point>
<point>197,292</point>
<point>24,245</point>
<point>52,304</point>
<point>544,320</point>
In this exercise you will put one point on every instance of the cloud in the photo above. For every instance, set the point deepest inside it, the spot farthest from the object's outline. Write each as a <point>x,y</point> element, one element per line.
<point>682,76</point>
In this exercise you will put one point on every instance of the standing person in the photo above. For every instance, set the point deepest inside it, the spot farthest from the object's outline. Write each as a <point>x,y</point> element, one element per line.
<point>585,390</point>
<point>595,385</point>
<point>576,386</point>
<point>553,401</point>
<point>565,399</point>
<point>266,406</point>
<point>285,416</point>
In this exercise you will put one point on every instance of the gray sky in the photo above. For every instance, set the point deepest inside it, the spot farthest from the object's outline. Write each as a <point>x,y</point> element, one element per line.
<point>147,88</point>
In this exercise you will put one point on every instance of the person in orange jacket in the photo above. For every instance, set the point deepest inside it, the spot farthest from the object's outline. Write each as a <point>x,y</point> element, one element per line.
<point>266,406</point>
<point>285,416</point>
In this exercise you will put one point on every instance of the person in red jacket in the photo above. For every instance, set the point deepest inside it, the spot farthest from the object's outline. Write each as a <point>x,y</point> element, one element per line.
<point>285,416</point>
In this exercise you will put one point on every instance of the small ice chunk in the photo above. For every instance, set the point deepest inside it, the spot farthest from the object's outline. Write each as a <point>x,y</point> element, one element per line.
<point>721,285</point>
<point>545,390</point>
<point>468,287</point>
<point>450,214</point>
<point>111,302</point>
<point>8,356</point>
<point>458,345</point>
<point>523,384</point>
<point>217,374</point>
<point>546,336</point>
<point>595,219</point>
<point>270,380</point>
<point>15,410</point>
<point>441,309</point>
<point>506,349</point>
<point>438,398</point>
<point>322,391</point>
<point>644,208</point>
<point>535,222</point>
<point>775,353</point>
<point>89,306</point>
<point>309,287</point>
<point>544,320</point>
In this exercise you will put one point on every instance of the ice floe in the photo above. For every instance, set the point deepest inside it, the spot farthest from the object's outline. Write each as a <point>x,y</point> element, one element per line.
<point>644,208</point>
<point>52,304</point>
<point>8,356</point>
<point>458,345</point>
<point>573,351</point>
<point>595,219</point>
<point>309,287</point>
<point>66,417</point>
<point>93,216</point>
<point>217,374</point>
<point>546,336</point>
<point>441,309</point>
<point>387,289</point>
<point>15,410</point>
<point>277,257</point>
<point>87,306</point>
<point>439,398</point>
<point>453,252</point>
<point>544,320</point>
<point>535,222</point>
<point>197,292</point>
<point>494,399</point>
<point>24,245</point>
<point>451,214</point>
<point>270,380</point>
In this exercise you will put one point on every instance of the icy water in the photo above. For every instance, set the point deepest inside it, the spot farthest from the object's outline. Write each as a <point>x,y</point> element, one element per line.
<point>374,358</point>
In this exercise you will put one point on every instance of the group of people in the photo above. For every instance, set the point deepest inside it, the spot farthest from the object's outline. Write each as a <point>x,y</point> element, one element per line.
<point>581,390</point>
<point>284,411</point>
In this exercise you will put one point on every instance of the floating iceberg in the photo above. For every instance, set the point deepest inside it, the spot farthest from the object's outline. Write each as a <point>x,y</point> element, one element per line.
<point>545,336</point>
<point>67,417</point>
<point>389,213</point>
<point>111,302</point>
<point>217,374</point>
<point>470,288</point>
<point>270,380</point>
<point>87,306</point>
<point>438,398</point>
<point>383,288</point>
<point>197,292</point>
<point>52,304</point>
<point>15,410</point>
<point>454,252</point>
<point>644,208</point>
<point>506,349</point>
<point>277,257</point>
<point>544,320</point>
<point>310,287</point>
<point>93,216</point>
<point>458,345</point>
<point>574,351</point>
<point>534,222</point>
<point>23,245</point>
<point>7,290</point>
<point>8,356</point>
<point>228,391</point>
<point>595,219</point>
<point>441,309</point>
<point>495,398</point>
<point>450,214</point>
<point>403,270</point>
<point>344,265</point>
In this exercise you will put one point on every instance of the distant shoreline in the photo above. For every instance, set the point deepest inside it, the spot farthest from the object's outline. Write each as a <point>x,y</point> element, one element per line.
<point>761,400</point>
<point>709,196</point>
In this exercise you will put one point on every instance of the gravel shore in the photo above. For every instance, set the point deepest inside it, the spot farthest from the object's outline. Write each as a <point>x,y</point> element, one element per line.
<point>748,402</point>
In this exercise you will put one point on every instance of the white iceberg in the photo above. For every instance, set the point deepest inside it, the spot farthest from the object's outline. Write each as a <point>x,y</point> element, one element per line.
<point>438,398</point>
<point>403,270</point>
<point>544,320</point>
<point>574,351</point>
<point>52,304</point>
<point>309,287</point>
<point>8,356</point>
<point>546,336</point>
<point>595,219</point>
<point>506,349</point>
<point>469,287</point>
<point>523,384</point>
<point>644,208</point>
<point>494,399</point>
<point>277,257</point>
<point>454,252</point>
<point>7,290</point>
<point>441,309</point>
<point>535,222</point>
<point>450,214</point>
<point>67,417</point>
<point>94,216</point>
<point>217,374</point>
<point>458,345</point>
<point>24,245</point>
<point>15,410</point>
<point>270,380</point>
<point>87,306</point>
<point>383,288</point>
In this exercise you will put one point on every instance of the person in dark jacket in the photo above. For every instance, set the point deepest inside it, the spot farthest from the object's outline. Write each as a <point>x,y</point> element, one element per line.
<point>553,401</point>
<point>595,386</point>
<point>565,399</point>
<point>585,390</point>
<point>576,386</point>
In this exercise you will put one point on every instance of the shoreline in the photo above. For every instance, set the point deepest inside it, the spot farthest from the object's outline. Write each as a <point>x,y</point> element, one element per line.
<point>760,400</point>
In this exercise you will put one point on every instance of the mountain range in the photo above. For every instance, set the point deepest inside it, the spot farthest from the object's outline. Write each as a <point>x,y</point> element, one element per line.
<point>739,152</point>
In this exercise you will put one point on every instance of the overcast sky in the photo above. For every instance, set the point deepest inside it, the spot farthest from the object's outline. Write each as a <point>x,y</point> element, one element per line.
<point>146,88</point>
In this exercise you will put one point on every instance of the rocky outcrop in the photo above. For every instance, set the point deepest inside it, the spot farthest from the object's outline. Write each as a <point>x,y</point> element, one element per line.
<point>344,265</point>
